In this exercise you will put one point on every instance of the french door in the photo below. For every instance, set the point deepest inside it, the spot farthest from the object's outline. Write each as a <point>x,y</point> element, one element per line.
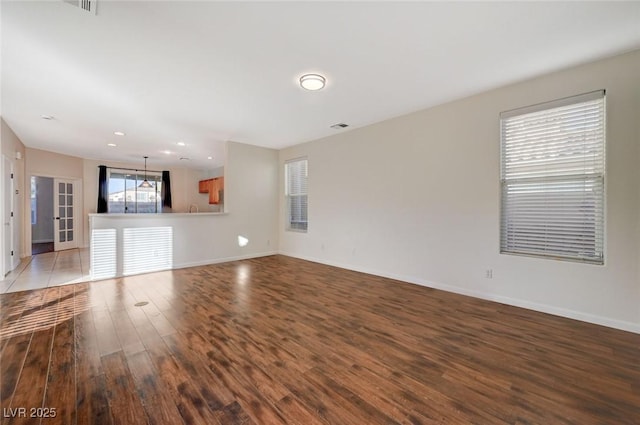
<point>65,223</point>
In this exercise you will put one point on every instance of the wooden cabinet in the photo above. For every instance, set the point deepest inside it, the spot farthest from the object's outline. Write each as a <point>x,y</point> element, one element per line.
<point>213,187</point>
<point>203,186</point>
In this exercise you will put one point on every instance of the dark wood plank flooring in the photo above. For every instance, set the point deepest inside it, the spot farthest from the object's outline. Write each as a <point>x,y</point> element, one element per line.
<point>278,340</point>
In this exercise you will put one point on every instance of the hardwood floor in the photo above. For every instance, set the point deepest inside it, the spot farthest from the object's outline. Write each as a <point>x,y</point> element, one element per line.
<point>278,340</point>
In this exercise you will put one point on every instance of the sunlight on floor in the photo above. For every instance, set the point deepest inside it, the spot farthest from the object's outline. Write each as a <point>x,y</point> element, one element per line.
<point>56,306</point>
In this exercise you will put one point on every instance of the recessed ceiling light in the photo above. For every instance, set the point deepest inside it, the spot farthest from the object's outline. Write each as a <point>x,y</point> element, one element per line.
<point>209,157</point>
<point>339,126</point>
<point>167,152</point>
<point>312,81</point>
<point>118,133</point>
<point>46,117</point>
<point>180,143</point>
<point>111,144</point>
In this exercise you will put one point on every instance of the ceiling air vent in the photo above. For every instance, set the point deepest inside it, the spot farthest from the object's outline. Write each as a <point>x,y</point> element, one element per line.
<point>339,126</point>
<point>88,5</point>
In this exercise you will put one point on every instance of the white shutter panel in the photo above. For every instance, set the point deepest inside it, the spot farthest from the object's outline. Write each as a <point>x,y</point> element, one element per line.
<point>553,159</point>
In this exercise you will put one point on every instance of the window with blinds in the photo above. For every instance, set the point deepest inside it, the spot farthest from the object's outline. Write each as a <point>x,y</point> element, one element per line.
<point>552,176</point>
<point>296,194</point>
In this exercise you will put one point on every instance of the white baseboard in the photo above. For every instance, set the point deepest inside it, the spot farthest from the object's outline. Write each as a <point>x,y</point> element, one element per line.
<point>543,308</point>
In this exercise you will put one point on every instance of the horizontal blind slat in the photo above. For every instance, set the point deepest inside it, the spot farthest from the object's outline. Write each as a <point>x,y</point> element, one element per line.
<point>552,175</point>
<point>296,173</point>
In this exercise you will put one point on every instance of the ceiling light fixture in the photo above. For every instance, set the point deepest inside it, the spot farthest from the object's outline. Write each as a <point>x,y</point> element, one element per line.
<point>209,157</point>
<point>166,152</point>
<point>112,144</point>
<point>312,82</point>
<point>145,183</point>
<point>181,144</point>
<point>46,117</point>
<point>118,133</point>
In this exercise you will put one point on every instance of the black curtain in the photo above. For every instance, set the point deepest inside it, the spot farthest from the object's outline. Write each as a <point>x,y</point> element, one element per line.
<point>103,189</point>
<point>166,190</point>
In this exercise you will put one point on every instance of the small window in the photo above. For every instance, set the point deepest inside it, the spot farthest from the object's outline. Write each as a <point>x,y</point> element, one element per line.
<point>552,177</point>
<point>296,194</point>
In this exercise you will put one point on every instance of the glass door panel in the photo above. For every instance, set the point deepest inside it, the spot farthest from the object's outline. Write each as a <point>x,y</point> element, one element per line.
<point>64,221</point>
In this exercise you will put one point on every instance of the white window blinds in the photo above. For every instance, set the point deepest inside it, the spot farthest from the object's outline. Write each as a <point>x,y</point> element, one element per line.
<point>296,193</point>
<point>552,176</point>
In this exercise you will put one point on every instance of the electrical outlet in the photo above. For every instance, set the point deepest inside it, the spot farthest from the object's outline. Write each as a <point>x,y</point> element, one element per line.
<point>488,273</point>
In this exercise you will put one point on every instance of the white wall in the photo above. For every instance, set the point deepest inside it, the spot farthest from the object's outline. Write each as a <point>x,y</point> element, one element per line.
<point>251,196</point>
<point>417,198</point>
<point>10,146</point>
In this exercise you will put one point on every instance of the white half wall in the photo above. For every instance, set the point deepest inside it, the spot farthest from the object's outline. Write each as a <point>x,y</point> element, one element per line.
<point>251,181</point>
<point>417,198</point>
<point>184,188</point>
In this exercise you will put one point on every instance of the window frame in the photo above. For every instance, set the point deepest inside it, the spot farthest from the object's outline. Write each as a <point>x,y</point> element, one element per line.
<point>595,180</point>
<point>289,197</point>
<point>153,177</point>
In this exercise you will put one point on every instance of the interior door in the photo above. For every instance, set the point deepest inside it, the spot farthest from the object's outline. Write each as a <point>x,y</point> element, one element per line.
<point>7,214</point>
<point>65,224</point>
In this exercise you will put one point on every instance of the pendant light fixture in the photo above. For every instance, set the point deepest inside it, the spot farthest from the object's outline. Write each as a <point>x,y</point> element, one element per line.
<point>145,183</point>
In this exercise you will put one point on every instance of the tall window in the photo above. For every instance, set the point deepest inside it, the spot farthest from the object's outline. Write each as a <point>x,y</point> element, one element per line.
<point>552,176</point>
<point>127,196</point>
<point>296,193</point>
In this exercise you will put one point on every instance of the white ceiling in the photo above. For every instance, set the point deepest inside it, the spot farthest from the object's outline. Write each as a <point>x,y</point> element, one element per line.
<point>207,72</point>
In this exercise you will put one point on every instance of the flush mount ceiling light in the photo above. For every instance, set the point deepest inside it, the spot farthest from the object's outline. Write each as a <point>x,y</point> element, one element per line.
<point>112,145</point>
<point>181,144</point>
<point>145,183</point>
<point>209,157</point>
<point>312,81</point>
<point>118,133</point>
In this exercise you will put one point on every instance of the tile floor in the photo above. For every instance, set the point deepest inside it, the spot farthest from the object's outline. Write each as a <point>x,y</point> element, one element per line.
<point>49,269</point>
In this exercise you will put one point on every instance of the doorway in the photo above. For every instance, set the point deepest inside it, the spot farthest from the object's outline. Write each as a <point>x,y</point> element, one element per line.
<point>41,215</point>
<point>53,214</point>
